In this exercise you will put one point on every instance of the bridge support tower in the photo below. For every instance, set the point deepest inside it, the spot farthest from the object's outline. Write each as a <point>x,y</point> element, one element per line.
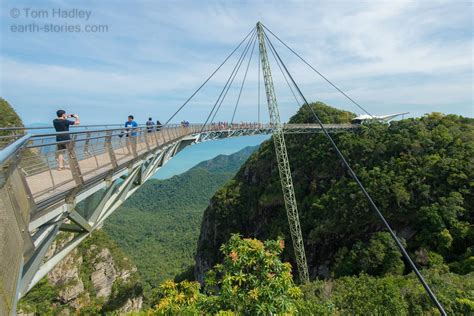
<point>282,160</point>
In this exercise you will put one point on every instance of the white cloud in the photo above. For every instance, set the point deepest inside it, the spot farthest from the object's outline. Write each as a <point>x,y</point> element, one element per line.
<point>381,52</point>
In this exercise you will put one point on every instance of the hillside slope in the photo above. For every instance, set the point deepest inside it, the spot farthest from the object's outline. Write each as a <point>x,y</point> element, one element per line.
<point>419,172</point>
<point>158,226</point>
<point>8,116</point>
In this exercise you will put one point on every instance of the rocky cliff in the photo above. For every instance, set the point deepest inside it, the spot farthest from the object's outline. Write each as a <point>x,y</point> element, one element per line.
<point>93,278</point>
<point>417,171</point>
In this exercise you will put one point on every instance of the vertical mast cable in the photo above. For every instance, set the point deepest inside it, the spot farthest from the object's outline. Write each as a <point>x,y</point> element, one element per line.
<point>209,78</point>
<point>233,76</point>
<point>258,91</point>
<point>220,95</point>
<point>243,81</point>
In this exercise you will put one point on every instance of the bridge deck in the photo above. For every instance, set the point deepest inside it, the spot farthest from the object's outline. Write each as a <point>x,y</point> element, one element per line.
<point>92,164</point>
<point>89,158</point>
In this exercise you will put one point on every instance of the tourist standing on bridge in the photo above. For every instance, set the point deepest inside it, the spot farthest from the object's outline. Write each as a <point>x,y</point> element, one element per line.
<point>61,124</point>
<point>158,125</point>
<point>131,131</point>
<point>150,125</point>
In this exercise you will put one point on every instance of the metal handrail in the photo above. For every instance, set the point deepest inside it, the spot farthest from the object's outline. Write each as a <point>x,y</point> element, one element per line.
<point>140,130</point>
<point>92,152</point>
<point>140,127</point>
<point>11,150</point>
<point>19,128</point>
<point>13,147</point>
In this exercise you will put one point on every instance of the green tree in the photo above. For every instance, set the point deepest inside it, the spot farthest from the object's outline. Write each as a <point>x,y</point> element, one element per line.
<point>8,116</point>
<point>251,280</point>
<point>389,295</point>
<point>379,256</point>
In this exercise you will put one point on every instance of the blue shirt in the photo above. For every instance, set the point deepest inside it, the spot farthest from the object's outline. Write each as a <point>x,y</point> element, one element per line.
<point>132,124</point>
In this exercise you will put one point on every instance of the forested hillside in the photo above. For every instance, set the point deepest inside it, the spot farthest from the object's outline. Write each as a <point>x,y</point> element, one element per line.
<point>158,226</point>
<point>419,172</point>
<point>8,116</point>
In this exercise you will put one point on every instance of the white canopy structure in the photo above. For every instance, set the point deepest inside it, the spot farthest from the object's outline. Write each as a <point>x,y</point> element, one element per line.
<point>382,118</point>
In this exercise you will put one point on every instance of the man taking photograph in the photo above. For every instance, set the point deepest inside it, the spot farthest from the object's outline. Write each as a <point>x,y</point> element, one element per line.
<point>61,124</point>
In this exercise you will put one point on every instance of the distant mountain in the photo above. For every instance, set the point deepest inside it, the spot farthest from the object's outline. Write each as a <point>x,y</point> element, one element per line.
<point>227,163</point>
<point>158,226</point>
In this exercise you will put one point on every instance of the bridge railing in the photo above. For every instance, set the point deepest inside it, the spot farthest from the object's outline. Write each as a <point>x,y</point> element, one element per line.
<point>95,151</point>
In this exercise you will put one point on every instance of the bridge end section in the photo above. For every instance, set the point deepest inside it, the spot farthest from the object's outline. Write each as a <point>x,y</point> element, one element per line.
<point>16,205</point>
<point>15,240</point>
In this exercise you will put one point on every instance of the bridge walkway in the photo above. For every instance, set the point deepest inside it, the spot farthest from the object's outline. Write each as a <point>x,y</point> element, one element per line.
<point>38,201</point>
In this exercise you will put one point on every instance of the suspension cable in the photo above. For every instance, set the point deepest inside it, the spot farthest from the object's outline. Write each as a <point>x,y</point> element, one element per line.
<point>258,91</point>
<point>228,80</point>
<point>243,81</point>
<point>233,76</point>
<point>319,73</point>
<point>209,78</point>
<point>284,76</point>
<point>364,191</point>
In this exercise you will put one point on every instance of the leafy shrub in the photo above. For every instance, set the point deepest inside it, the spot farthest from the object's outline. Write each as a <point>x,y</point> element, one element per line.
<point>377,257</point>
<point>251,280</point>
<point>390,295</point>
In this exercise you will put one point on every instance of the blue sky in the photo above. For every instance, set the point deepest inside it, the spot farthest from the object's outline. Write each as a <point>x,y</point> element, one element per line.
<point>390,56</point>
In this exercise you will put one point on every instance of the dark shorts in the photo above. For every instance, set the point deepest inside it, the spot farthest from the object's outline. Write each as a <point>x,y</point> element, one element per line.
<point>61,146</point>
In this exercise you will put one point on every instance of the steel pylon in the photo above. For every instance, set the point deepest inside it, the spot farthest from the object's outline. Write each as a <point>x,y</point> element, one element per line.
<point>283,163</point>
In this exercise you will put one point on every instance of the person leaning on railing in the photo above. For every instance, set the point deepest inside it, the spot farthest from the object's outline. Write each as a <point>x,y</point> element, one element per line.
<point>131,131</point>
<point>150,125</point>
<point>61,124</point>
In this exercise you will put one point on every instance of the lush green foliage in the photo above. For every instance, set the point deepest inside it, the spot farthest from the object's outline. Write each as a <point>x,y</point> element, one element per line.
<point>250,281</point>
<point>158,225</point>
<point>178,298</point>
<point>419,172</point>
<point>41,299</point>
<point>8,116</point>
<point>378,256</point>
<point>159,233</point>
<point>390,295</point>
<point>326,114</point>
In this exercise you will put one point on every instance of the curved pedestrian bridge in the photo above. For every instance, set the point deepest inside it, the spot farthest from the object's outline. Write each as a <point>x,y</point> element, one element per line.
<point>37,200</point>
